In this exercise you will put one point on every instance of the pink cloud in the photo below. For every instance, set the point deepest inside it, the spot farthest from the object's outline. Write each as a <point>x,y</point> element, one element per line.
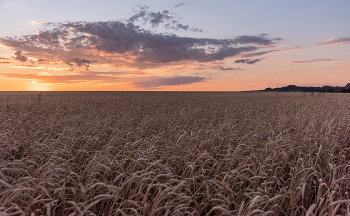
<point>339,41</point>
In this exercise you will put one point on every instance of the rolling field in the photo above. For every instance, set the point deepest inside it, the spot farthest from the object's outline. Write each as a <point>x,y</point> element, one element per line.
<point>174,153</point>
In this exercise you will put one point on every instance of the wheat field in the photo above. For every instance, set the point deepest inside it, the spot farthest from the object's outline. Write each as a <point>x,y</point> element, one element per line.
<point>174,153</point>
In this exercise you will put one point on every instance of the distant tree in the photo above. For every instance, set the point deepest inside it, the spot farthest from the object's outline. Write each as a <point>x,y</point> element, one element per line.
<point>347,87</point>
<point>293,88</point>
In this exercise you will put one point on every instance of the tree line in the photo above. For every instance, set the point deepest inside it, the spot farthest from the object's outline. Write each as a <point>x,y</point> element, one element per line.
<point>294,88</point>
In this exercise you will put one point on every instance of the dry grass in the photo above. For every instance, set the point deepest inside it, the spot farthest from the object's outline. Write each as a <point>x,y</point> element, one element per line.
<point>145,153</point>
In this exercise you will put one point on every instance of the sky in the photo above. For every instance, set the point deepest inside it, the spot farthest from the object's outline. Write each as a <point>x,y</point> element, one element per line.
<point>177,45</point>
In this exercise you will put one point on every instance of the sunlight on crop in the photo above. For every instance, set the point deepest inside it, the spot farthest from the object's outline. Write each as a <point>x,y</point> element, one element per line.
<point>174,153</point>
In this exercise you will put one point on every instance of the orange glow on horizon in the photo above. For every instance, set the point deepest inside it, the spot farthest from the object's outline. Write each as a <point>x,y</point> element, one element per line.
<point>39,87</point>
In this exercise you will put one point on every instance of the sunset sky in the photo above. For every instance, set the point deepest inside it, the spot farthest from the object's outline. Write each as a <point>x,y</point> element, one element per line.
<point>185,45</point>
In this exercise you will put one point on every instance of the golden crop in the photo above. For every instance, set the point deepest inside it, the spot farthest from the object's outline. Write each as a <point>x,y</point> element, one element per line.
<point>174,153</point>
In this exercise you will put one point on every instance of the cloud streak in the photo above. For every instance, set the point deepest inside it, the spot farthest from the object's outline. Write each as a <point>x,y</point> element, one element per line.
<point>249,55</point>
<point>253,61</point>
<point>228,68</point>
<point>310,61</point>
<point>258,54</point>
<point>247,61</point>
<point>157,82</point>
<point>260,40</point>
<point>64,79</point>
<point>339,41</point>
<point>180,4</point>
<point>146,82</point>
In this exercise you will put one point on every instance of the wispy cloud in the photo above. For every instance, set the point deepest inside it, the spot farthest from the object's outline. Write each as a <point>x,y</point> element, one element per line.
<point>253,61</point>
<point>247,61</point>
<point>180,4</point>
<point>39,67</point>
<point>249,55</point>
<point>260,40</point>
<point>310,61</point>
<point>220,67</point>
<point>258,54</point>
<point>158,82</point>
<point>168,20</point>
<point>145,82</point>
<point>228,68</point>
<point>40,23</point>
<point>183,3</point>
<point>66,79</point>
<point>346,63</point>
<point>339,41</point>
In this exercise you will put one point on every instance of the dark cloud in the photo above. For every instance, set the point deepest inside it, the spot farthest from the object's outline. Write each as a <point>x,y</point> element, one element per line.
<point>79,62</point>
<point>167,54</point>
<point>241,60</point>
<point>248,61</point>
<point>18,56</point>
<point>118,43</point>
<point>42,61</point>
<point>168,81</point>
<point>261,40</point>
<point>253,61</point>
<point>277,39</point>
<point>159,17</point>
<point>184,3</point>
<point>310,61</point>
<point>196,30</point>
<point>180,4</point>
<point>184,27</point>
<point>156,18</point>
